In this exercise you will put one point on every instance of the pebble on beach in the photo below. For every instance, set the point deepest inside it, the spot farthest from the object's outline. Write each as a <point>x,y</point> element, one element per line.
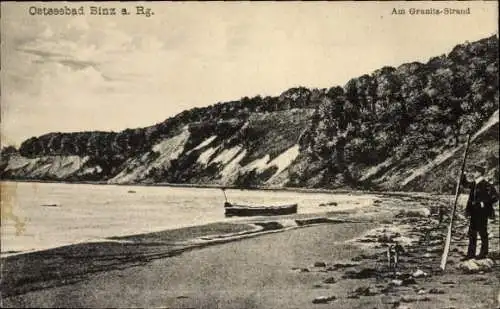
<point>362,291</point>
<point>323,299</point>
<point>397,282</point>
<point>414,213</point>
<point>476,266</point>
<point>363,273</point>
<point>436,291</point>
<point>419,273</point>
<point>319,264</point>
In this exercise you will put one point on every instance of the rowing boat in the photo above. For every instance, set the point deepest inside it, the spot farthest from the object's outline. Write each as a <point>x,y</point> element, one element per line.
<point>245,210</point>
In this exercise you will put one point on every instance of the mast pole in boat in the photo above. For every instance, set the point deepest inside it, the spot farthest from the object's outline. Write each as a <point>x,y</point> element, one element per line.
<point>225,197</point>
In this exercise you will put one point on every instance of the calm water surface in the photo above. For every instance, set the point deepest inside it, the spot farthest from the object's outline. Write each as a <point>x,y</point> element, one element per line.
<point>93,212</point>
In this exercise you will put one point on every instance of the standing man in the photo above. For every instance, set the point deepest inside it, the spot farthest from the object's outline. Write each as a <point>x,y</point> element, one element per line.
<point>479,208</point>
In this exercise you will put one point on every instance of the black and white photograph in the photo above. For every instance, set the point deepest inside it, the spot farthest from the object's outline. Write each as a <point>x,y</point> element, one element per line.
<point>250,155</point>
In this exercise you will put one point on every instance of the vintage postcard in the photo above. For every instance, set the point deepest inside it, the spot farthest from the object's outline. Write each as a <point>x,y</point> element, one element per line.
<point>249,155</point>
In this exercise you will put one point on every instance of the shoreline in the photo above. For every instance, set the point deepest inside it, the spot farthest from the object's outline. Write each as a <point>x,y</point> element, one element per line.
<point>242,220</point>
<point>215,186</point>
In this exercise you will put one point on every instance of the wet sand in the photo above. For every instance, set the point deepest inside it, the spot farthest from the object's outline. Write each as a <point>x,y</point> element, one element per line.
<point>250,273</point>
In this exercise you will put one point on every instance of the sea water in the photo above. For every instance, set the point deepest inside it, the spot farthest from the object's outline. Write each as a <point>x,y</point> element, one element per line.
<point>38,216</point>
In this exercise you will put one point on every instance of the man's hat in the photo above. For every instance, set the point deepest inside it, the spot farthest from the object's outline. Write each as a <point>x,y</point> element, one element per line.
<point>478,168</point>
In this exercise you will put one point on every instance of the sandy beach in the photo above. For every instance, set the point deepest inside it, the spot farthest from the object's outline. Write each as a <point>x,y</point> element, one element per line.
<point>333,261</point>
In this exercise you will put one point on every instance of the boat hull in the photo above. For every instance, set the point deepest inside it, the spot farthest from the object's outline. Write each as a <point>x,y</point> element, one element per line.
<point>241,210</point>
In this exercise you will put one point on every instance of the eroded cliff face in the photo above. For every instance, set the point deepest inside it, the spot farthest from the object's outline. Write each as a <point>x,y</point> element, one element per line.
<point>394,129</point>
<point>257,150</point>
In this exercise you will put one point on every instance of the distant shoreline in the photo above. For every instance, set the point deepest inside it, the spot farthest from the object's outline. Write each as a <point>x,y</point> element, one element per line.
<point>214,186</point>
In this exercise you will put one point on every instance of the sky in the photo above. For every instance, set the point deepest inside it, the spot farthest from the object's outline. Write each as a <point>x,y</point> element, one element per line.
<point>82,73</point>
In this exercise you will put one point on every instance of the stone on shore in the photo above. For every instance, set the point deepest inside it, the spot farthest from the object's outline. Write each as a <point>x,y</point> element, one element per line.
<point>362,291</point>
<point>363,273</point>
<point>414,213</point>
<point>419,273</point>
<point>397,282</point>
<point>328,204</point>
<point>436,291</point>
<point>476,266</point>
<point>337,266</point>
<point>323,299</point>
<point>330,280</point>
<point>319,264</point>
<point>408,280</point>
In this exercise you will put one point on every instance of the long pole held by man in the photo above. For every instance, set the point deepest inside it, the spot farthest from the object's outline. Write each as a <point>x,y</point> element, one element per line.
<point>446,250</point>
